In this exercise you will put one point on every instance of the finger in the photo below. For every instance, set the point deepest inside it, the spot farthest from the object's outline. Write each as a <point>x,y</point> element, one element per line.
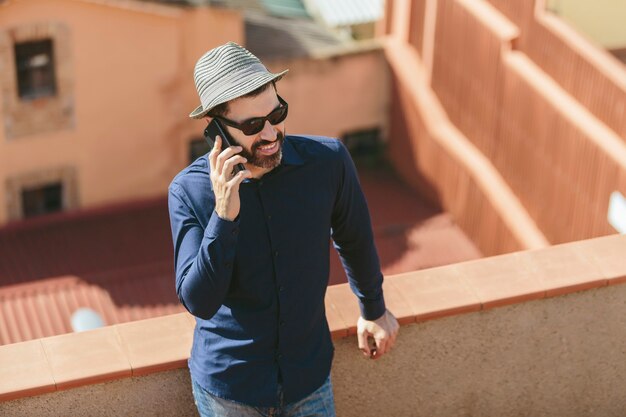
<point>381,346</point>
<point>235,181</point>
<point>372,349</point>
<point>215,151</point>
<point>224,155</point>
<point>230,163</point>
<point>363,345</point>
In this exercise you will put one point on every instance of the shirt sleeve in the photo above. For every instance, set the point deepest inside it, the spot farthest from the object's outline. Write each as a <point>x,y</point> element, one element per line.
<point>203,258</point>
<point>354,240</point>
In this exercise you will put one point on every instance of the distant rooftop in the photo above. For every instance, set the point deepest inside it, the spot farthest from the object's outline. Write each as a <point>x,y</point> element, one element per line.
<point>346,12</point>
<point>275,29</point>
<point>285,8</point>
<point>273,37</point>
<point>280,8</point>
<point>115,260</point>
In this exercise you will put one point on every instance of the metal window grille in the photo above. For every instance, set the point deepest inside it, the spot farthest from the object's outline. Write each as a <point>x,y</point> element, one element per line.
<point>34,61</point>
<point>42,200</point>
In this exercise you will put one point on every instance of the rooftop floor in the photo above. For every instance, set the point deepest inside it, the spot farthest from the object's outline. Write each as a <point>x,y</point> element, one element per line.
<point>410,234</point>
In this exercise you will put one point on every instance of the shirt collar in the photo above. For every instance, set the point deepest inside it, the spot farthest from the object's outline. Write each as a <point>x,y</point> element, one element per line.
<point>290,154</point>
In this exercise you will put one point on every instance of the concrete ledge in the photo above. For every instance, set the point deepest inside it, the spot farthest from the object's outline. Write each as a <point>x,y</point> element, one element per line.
<point>162,344</point>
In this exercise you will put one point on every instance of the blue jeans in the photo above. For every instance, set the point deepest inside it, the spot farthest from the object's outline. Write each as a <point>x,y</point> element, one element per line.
<point>320,403</point>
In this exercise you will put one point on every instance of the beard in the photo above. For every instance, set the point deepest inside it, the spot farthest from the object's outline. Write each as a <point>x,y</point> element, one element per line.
<point>257,159</point>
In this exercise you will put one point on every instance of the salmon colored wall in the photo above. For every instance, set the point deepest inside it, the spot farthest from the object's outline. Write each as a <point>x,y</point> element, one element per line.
<point>539,102</point>
<point>432,155</point>
<point>571,60</point>
<point>133,90</point>
<point>560,160</point>
<point>338,94</point>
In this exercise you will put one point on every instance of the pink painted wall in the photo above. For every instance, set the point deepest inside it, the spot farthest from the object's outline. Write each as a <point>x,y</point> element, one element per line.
<point>541,105</point>
<point>337,94</point>
<point>133,88</point>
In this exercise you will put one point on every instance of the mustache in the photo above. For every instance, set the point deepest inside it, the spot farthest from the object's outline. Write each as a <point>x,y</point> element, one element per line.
<point>279,138</point>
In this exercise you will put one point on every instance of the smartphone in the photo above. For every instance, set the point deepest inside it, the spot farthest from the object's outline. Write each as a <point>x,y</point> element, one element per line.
<point>212,130</point>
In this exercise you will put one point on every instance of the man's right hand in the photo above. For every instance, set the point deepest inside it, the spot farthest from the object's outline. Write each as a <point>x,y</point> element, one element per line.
<point>225,184</point>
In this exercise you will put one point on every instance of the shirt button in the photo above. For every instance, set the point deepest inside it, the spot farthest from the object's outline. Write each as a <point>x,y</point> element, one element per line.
<point>281,288</point>
<point>282,323</point>
<point>276,254</point>
<point>235,231</point>
<point>260,183</point>
<point>269,217</point>
<point>279,356</point>
<point>228,264</point>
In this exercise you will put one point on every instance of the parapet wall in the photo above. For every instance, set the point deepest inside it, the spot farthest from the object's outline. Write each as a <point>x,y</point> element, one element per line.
<point>529,333</point>
<point>556,357</point>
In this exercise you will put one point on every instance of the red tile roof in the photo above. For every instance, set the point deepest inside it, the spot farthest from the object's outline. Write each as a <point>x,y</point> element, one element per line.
<point>118,261</point>
<point>87,241</point>
<point>115,260</point>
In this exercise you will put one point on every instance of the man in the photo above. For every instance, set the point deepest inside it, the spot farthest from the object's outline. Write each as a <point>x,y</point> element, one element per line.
<point>252,250</point>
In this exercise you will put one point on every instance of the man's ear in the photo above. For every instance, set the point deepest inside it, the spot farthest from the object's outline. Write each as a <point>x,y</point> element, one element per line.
<point>208,119</point>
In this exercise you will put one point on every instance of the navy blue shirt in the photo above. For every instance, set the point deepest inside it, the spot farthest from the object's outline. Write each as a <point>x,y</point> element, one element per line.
<point>256,285</point>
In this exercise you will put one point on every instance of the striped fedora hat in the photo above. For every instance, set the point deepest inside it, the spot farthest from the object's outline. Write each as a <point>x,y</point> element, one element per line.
<point>225,73</point>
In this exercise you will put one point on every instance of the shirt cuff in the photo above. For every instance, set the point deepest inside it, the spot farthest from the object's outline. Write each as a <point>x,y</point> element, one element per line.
<point>226,230</point>
<point>372,309</point>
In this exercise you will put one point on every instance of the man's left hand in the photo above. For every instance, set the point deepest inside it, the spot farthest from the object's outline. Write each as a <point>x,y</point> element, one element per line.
<point>384,330</point>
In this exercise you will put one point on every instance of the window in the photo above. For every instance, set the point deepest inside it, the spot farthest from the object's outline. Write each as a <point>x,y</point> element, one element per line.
<point>42,200</point>
<point>34,61</point>
<point>198,148</point>
<point>37,81</point>
<point>365,146</point>
<point>42,191</point>
<point>363,142</point>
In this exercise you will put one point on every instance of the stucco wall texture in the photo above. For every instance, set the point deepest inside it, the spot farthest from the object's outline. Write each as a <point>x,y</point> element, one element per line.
<point>561,356</point>
<point>164,394</point>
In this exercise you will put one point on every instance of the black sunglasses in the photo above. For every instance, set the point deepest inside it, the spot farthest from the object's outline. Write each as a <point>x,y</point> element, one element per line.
<point>255,125</point>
